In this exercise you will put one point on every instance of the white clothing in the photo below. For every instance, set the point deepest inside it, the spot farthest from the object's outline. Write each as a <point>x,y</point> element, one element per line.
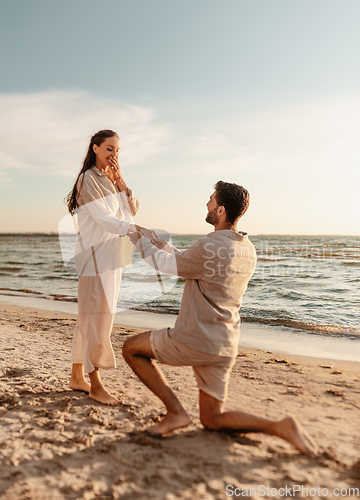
<point>91,342</point>
<point>103,215</point>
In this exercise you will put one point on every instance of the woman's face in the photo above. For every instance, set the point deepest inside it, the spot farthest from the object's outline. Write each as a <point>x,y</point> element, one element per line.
<point>110,147</point>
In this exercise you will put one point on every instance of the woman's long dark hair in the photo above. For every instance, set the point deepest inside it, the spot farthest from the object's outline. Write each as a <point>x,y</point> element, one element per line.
<point>90,160</point>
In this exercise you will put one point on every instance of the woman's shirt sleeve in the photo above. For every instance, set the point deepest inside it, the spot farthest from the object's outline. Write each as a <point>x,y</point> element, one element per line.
<point>133,203</point>
<point>101,208</point>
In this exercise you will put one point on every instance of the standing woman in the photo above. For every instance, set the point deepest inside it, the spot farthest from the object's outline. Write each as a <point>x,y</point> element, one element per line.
<point>104,206</point>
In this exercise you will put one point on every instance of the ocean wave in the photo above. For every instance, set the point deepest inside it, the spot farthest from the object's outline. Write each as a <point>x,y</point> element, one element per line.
<point>291,295</point>
<point>270,259</point>
<point>20,290</point>
<point>23,292</point>
<point>147,278</point>
<point>306,252</point>
<point>63,298</point>
<point>62,277</point>
<point>348,332</point>
<point>155,309</point>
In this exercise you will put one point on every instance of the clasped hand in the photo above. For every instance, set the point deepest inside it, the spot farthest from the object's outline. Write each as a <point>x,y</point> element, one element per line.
<point>143,231</point>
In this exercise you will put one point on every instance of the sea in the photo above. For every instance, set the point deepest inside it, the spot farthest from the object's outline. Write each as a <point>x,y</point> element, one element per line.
<point>305,285</point>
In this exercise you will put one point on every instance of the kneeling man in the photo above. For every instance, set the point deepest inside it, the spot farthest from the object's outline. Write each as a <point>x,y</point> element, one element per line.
<point>206,333</point>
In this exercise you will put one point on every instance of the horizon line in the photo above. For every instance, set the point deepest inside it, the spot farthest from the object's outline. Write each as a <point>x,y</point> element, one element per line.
<point>55,233</point>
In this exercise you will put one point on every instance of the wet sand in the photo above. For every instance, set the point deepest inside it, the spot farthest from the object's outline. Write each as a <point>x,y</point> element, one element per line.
<point>60,444</point>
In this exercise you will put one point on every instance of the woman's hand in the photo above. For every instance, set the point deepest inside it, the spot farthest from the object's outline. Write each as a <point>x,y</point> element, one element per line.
<point>114,174</point>
<point>146,232</point>
<point>135,232</point>
<point>134,237</point>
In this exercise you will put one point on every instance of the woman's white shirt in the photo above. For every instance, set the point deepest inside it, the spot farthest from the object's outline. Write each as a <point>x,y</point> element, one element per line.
<point>104,214</point>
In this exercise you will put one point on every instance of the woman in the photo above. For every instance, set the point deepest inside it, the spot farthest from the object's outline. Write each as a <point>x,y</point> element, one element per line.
<point>104,206</point>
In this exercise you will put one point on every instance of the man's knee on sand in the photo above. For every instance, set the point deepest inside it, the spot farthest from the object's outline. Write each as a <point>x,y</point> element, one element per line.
<point>209,411</point>
<point>209,421</point>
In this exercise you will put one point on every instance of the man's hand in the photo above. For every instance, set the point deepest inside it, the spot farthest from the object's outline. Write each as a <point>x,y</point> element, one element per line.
<point>159,243</point>
<point>146,232</point>
<point>140,231</point>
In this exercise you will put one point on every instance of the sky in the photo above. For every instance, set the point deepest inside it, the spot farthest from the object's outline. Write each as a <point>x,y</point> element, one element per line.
<point>262,93</point>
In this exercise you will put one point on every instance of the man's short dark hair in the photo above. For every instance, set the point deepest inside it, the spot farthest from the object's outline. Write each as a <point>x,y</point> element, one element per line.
<point>234,198</point>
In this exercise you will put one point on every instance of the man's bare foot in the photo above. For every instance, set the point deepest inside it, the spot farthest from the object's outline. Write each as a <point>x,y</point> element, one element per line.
<point>101,395</point>
<point>290,430</point>
<point>79,385</point>
<point>169,423</point>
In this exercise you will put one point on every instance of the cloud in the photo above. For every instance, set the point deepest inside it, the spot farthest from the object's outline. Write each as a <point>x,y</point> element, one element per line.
<point>318,137</point>
<point>48,132</point>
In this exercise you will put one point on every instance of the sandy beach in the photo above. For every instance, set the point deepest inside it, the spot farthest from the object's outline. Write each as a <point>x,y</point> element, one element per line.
<point>60,444</point>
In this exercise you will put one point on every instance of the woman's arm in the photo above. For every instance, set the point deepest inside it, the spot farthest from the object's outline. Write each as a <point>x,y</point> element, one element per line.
<point>133,202</point>
<point>92,201</point>
<point>116,177</point>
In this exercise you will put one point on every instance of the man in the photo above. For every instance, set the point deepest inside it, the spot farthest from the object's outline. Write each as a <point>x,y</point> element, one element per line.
<point>206,334</point>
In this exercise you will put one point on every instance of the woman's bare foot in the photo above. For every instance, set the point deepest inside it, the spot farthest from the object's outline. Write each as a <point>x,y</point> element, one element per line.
<point>101,395</point>
<point>290,430</point>
<point>77,380</point>
<point>79,385</point>
<point>169,423</point>
<point>98,391</point>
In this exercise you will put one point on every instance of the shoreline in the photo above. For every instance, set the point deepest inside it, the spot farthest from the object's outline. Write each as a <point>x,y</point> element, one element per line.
<point>253,335</point>
<point>59,444</point>
<point>138,321</point>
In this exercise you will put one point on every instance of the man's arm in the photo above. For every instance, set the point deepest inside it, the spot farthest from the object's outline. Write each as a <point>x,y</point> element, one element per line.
<point>188,264</point>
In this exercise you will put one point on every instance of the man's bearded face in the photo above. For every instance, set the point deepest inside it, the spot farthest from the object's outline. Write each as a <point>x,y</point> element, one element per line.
<point>212,217</point>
